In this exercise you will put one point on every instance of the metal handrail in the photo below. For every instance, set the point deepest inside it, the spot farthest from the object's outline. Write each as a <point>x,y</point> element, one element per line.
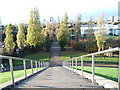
<point>9,57</point>
<point>66,62</point>
<point>101,52</point>
<point>38,64</point>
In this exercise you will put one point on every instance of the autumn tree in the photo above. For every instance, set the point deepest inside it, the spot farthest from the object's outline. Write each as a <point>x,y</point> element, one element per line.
<point>90,35</point>
<point>100,34</point>
<point>9,45</point>
<point>34,29</point>
<point>77,28</point>
<point>20,37</point>
<point>62,35</point>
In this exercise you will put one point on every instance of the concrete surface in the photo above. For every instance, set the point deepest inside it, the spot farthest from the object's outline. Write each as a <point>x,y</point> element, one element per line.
<point>57,77</point>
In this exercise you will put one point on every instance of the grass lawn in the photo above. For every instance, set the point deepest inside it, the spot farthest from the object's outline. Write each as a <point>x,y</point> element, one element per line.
<point>71,52</point>
<point>5,76</point>
<point>106,72</point>
<point>98,59</point>
<point>41,55</point>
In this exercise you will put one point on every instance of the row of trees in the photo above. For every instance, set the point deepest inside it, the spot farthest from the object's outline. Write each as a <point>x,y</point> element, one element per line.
<point>37,36</point>
<point>99,36</point>
<point>34,38</point>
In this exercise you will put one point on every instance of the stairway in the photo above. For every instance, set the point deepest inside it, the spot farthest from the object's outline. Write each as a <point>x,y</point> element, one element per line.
<point>55,54</point>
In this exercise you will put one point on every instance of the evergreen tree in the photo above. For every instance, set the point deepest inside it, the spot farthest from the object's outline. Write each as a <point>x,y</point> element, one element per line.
<point>34,29</point>
<point>62,35</point>
<point>20,37</point>
<point>101,33</point>
<point>47,41</point>
<point>8,42</point>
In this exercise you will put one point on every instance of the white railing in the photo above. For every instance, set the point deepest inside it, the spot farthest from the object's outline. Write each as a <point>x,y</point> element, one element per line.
<point>39,65</point>
<point>70,62</point>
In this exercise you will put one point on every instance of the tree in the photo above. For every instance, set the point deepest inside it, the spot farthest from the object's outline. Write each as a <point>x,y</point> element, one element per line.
<point>62,35</point>
<point>77,28</point>
<point>101,33</point>
<point>47,41</point>
<point>90,35</point>
<point>34,29</point>
<point>20,37</point>
<point>8,42</point>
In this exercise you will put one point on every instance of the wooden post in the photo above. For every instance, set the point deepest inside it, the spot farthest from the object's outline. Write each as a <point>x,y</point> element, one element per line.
<point>11,71</point>
<point>32,66</point>
<point>93,69</point>
<point>82,65</point>
<point>24,65</point>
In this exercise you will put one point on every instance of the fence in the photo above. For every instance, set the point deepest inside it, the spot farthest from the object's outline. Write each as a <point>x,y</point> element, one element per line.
<point>70,62</point>
<point>39,65</point>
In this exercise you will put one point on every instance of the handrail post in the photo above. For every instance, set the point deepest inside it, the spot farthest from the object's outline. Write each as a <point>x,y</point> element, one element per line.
<point>72,63</point>
<point>45,64</point>
<point>39,65</point>
<point>93,69</point>
<point>36,65</point>
<point>67,63</point>
<point>24,65</point>
<point>11,70</point>
<point>76,64</point>
<point>82,65</point>
<point>32,66</point>
<point>119,73</point>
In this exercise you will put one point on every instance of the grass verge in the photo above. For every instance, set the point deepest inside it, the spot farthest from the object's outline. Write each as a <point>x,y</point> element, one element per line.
<point>106,72</point>
<point>5,76</point>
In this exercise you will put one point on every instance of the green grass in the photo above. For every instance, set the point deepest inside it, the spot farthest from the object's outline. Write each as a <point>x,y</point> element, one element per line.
<point>111,60</point>
<point>106,72</point>
<point>71,52</point>
<point>5,76</point>
<point>41,56</point>
<point>65,55</point>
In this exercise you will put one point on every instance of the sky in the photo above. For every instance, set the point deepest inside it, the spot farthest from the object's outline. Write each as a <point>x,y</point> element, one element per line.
<point>15,11</point>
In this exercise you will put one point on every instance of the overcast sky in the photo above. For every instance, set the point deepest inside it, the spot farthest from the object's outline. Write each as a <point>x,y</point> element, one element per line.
<point>14,11</point>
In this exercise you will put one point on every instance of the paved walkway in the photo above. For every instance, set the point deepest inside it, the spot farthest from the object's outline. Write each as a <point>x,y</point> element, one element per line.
<point>55,54</point>
<point>57,77</point>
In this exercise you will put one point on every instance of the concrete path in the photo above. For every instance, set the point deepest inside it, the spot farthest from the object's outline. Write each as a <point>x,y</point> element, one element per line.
<point>55,54</point>
<point>57,77</point>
